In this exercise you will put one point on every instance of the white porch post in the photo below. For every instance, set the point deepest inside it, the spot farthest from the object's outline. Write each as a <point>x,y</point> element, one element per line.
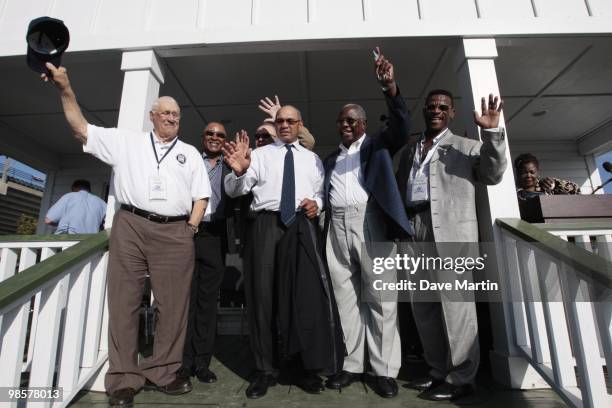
<point>143,77</point>
<point>45,203</point>
<point>477,78</point>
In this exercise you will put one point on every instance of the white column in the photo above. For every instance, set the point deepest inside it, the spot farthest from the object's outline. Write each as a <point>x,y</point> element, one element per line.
<point>477,78</point>
<point>143,77</point>
<point>45,203</point>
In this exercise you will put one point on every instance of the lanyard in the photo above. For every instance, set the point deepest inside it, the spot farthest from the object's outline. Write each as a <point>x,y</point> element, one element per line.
<point>158,160</point>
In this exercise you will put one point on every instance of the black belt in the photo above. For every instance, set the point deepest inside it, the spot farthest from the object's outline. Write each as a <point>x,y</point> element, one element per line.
<point>162,219</point>
<point>413,210</point>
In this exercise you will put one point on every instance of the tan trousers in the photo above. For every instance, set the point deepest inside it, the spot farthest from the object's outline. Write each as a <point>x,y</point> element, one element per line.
<point>166,252</point>
<point>448,330</point>
<point>368,319</point>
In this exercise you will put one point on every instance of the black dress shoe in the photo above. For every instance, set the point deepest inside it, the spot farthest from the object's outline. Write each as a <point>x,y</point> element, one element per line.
<point>342,379</point>
<point>259,385</point>
<point>180,385</point>
<point>386,387</point>
<point>424,383</point>
<point>122,398</point>
<point>446,392</point>
<point>311,383</point>
<point>205,375</point>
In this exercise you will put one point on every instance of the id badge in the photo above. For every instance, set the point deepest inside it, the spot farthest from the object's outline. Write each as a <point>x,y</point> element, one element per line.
<point>419,187</point>
<point>157,188</point>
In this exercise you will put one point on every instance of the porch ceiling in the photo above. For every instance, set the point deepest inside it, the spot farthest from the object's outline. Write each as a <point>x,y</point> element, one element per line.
<point>567,78</point>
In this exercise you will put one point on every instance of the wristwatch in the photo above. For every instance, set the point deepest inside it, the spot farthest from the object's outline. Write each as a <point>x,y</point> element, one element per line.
<point>194,228</point>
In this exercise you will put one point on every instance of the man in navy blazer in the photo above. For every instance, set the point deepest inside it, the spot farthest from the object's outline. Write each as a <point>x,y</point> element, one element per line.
<point>362,205</point>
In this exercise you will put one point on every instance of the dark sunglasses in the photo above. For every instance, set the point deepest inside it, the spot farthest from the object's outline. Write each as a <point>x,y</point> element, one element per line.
<point>262,135</point>
<point>349,121</point>
<point>290,122</point>
<point>211,133</point>
<point>432,107</point>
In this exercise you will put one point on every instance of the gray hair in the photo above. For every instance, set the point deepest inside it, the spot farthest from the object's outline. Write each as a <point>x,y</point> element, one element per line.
<point>155,105</point>
<point>358,109</point>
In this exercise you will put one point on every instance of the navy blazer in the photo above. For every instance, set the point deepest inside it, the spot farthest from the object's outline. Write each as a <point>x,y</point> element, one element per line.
<point>376,159</point>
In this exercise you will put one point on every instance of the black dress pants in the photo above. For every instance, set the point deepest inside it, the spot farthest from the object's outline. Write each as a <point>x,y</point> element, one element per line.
<point>263,234</point>
<point>210,252</point>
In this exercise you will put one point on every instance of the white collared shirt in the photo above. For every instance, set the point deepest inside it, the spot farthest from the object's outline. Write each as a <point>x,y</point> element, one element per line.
<point>347,177</point>
<point>264,177</point>
<point>421,168</point>
<point>131,155</point>
<point>162,147</point>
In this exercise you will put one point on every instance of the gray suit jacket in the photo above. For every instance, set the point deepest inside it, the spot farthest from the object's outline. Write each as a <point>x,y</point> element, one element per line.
<point>456,166</point>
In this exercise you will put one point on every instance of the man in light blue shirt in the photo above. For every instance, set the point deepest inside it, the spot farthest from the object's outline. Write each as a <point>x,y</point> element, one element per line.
<point>78,212</point>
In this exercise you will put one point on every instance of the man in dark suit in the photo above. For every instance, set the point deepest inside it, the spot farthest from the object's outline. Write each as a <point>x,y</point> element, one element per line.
<point>211,247</point>
<point>362,203</point>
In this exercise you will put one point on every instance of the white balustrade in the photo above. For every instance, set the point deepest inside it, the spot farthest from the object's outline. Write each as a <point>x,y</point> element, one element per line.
<point>61,322</point>
<point>556,317</point>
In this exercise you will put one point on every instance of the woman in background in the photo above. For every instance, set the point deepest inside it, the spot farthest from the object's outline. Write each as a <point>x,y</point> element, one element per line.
<point>530,184</point>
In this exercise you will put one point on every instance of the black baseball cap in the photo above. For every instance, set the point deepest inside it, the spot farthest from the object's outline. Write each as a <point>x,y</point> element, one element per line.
<point>47,40</point>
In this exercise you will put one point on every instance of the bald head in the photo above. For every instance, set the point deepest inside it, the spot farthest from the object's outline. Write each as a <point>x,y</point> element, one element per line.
<point>288,123</point>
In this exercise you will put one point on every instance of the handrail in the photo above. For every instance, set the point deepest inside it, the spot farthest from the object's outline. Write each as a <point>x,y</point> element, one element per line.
<point>575,226</point>
<point>23,284</point>
<point>45,238</point>
<point>595,267</point>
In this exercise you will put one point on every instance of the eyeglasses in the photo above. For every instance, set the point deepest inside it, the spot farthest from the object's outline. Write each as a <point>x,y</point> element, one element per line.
<point>432,107</point>
<point>349,121</point>
<point>290,122</point>
<point>173,114</point>
<point>212,133</point>
<point>262,135</point>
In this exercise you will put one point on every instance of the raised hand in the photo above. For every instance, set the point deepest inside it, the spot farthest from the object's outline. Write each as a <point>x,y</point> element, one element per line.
<point>266,105</point>
<point>384,72</point>
<point>59,76</point>
<point>489,118</point>
<point>237,153</point>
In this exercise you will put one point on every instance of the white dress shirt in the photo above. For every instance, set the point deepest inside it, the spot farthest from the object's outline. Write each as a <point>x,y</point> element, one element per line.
<point>131,155</point>
<point>421,168</point>
<point>264,177</point>
<point>347,177</point>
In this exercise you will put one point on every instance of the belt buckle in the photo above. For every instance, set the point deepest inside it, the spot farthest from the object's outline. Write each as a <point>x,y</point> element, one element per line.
<point>151,216</point>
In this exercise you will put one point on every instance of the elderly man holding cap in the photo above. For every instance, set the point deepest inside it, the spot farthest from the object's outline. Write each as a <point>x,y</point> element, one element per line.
<point>163,188</point>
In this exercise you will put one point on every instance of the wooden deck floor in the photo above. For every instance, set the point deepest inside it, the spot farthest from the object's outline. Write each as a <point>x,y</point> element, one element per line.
<point>233,365</point>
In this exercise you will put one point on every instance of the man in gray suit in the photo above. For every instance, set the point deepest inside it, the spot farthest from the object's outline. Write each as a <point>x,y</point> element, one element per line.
<point>437,175</point>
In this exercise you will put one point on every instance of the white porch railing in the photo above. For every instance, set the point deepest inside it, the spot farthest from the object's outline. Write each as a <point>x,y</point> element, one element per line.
<point>560,298</point>
<point>52,312</point>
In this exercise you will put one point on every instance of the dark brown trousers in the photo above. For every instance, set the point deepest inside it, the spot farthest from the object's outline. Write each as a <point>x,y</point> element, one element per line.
<point>166,252</point>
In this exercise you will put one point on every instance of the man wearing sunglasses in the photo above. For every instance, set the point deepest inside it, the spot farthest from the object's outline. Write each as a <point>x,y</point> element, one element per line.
<point>362,204</point>
<point>210,249</point>
<point>264,135</point>
<point>436,177</point>
<point>284,178</point>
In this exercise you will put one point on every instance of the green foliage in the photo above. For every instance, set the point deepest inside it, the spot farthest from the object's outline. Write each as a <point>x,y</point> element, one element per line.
<point>26,225</point>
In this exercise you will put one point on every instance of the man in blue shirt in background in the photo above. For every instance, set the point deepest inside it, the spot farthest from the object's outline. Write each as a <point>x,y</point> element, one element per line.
<point>78,212</point>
